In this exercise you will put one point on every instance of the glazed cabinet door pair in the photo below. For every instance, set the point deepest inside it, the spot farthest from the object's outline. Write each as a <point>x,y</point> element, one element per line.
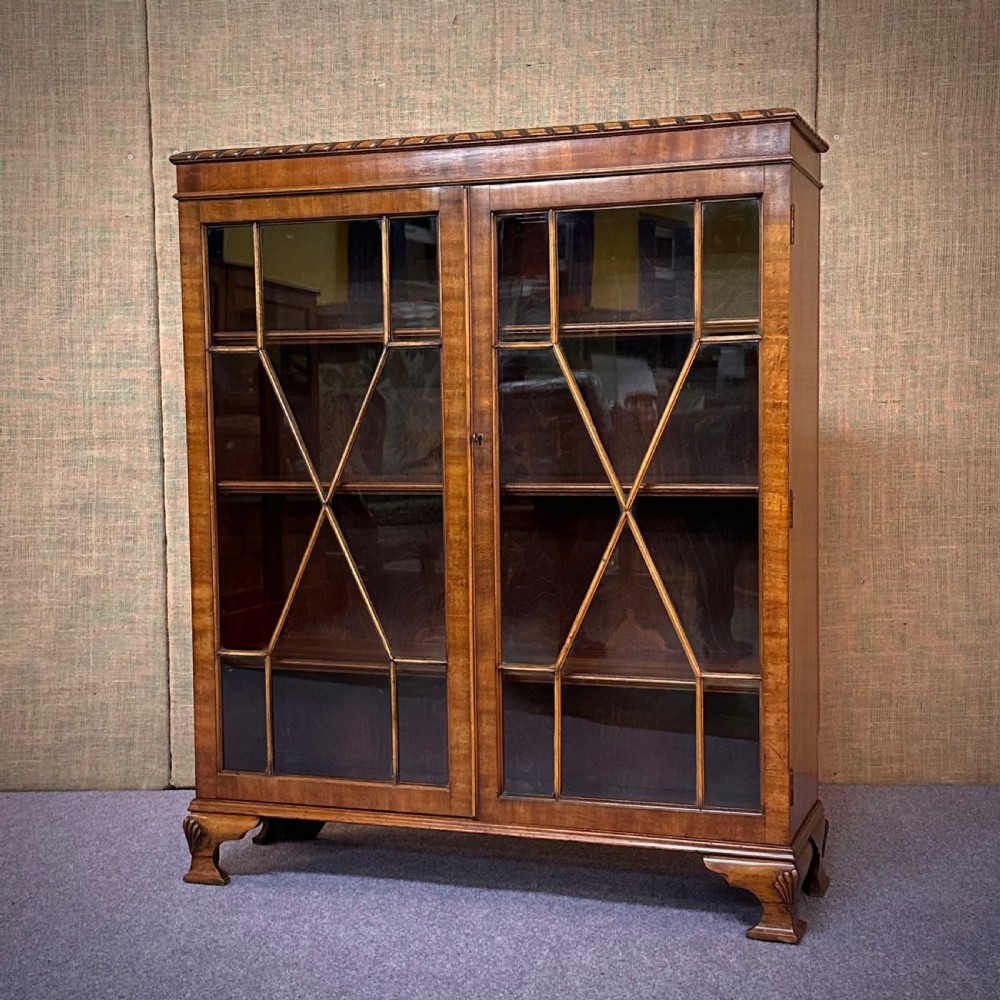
<point>483,490</point>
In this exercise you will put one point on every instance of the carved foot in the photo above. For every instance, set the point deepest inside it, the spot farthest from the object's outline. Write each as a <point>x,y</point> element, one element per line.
<point>816,881</point>
<point>773,883</point>
<point>205,833</point>
<point>273,830</point>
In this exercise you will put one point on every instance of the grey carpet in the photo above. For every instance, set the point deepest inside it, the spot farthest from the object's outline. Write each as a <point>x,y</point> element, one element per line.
<point>92,906</point>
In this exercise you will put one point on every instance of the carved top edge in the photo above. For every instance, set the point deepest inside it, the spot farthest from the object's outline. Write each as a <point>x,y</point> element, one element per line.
<point>506,135</point>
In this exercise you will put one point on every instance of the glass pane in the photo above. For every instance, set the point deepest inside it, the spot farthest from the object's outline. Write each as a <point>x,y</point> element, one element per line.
<point>422,714</point>
<point>325,385</point>
<point>711,436</point>
<point>542,435</point>
<point>732,750</point>
<point>261,540</point>
<point>413,274</point>
<point>523,277</point>
<point>632,379</point>
<point>337,725</point>
<point>730,269</point>
<point>328,619</point>
<point>626,630</point>
<point>400,437</point>
<point>398,545</point>
<point>626,264</point>
<point>628,744</point>
<point>322,275</point>
<point>253,439</point>
<point>549,551</point>
<point>244,718</point>
<point>231,297</point>
<point>706,552</point>
<point>528,731</point>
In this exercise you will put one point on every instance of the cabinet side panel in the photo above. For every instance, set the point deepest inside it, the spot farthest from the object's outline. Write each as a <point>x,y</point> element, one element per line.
<point>774,501</point>
<point>199,500</point>
<point>803,475</point>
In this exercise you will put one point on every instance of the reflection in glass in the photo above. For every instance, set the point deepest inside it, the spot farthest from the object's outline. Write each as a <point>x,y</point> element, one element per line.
<point>413,273</point>
<point>730,274</point>
<point>634,377</point>
<point>231,295</point>
<point>523,277</point>
<point>244,720</point>
<point>711,436</point>
<point>398,545</point>
<point>328,619</point>
<point>549,551</point>
<point>527,736</point>
<point>542,435</point>
<point>325,385</point>
<point>626,630</point>
<point>261,541</point>
<point>732,749</point>
<point>629,744</point>
<point>422,714</point>
<point>333,724</point>
<point>626,264</point>
<point>400,436</point>
<point>706,552</point>
<point>322,275</point>
<point>253,439</point>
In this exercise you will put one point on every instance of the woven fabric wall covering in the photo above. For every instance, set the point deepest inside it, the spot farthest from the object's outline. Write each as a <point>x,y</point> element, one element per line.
<point>910,346</point>
<point>237,74</point>
<point>910,364</point>
<point>83,665</point>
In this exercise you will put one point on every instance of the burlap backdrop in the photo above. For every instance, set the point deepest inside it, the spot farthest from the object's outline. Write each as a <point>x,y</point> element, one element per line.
<point>910,365</point>
<point>96,610</point>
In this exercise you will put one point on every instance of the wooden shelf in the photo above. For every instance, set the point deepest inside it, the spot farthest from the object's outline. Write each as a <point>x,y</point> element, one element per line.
<point>229,486</point>
<point>269,486</point>
<point>377,486</point>
<point>314,664</point>
<point>652,489</point>
<point>511,337</point>
<point>625,677</point>
<point>364,335</point>
<point>408,336</point>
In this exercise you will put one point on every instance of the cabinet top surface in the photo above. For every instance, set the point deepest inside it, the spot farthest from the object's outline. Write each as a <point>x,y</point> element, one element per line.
<point>725,119</point>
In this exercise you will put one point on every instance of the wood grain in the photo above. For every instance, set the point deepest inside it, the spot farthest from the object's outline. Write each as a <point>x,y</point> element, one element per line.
<point>774,526</point>
<point>803,472</point>
<point>749,142</point>
<point>506,135</point>
<point>774,885</point>
<point>204,583</point>
<point>205,833</point>
<point>465,180</point>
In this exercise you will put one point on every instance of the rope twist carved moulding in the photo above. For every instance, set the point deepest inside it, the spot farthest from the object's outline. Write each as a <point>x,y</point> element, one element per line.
<point>500,135</point>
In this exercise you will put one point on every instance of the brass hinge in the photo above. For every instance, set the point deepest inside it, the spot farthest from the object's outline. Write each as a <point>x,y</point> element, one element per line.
<point>791,225</point>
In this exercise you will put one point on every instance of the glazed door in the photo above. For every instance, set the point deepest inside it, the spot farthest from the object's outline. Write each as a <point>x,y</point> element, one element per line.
<point>617,330</point>
<point>333,666</point>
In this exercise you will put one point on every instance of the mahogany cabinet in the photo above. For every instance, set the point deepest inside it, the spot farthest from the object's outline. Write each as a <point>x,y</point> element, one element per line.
<point>503,489</point>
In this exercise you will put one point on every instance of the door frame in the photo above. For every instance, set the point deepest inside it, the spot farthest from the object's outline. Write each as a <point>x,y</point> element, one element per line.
<point>769,825</point>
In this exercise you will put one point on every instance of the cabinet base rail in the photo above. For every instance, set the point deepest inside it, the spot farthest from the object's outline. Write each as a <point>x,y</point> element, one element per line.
<point>774,874</point>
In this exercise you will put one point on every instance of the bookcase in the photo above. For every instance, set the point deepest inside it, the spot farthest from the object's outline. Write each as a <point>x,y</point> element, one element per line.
<point>503,489</point>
